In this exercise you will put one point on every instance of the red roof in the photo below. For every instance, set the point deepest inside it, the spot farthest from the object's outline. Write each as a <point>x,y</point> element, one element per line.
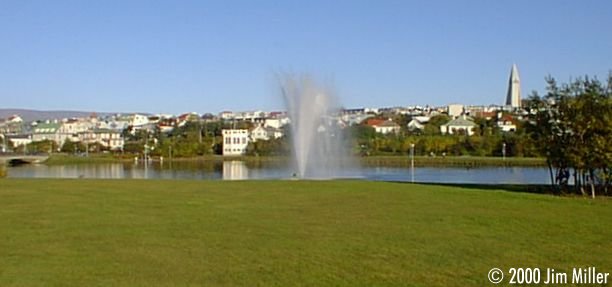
<point>374,122</point>
<point>507,117</point>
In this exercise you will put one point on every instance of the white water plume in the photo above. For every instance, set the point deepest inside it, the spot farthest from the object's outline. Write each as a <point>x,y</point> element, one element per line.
<point>318,145</point>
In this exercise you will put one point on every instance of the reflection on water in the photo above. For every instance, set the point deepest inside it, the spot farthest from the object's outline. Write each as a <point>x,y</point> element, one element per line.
<point>238,170</point>
<point>235,170</point>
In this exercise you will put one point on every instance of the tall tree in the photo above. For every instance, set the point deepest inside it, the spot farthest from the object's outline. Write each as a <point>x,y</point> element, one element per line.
<point>572,125</point>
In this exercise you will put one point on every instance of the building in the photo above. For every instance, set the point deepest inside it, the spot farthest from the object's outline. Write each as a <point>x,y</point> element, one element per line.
<point>110,139</point>
<point>47,131</point>
<point>505,122</point>
<point>458,125</point>
<point>70,128</point>
<point>513,98</point>
<point>383,126</point>
<point>265,133</point>
<point>186,118</point>
<point>276,121</point>
<point>138,120</point>
<point>417,123</point>
<point>12,125</point>
<point>454,110</point>
<point>235,141</point>
<point>259,133</point>
<point>19,140</point>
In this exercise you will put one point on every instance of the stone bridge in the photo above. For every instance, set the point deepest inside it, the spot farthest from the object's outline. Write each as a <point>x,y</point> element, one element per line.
<point>20,159</point>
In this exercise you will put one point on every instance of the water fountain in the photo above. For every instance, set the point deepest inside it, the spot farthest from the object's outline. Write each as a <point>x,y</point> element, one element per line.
<point>318,144</point>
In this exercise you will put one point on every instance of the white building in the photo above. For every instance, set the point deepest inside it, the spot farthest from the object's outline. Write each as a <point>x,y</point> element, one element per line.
<point>235,141</point>
<point>276,122</point>
<point>265,133</point>
<point>505,123</point>
<point>455,110</point>
<point>138,120</point>
<point>47,131</point>
<point>383,126</point>
<point>12,125</point>
<point>418,123</point>
<point>458,125</point>
<point>70,128</point>
<point>110,139</point>
<point>19,140</point>
<point>259,133</point>
<point>227,115</point>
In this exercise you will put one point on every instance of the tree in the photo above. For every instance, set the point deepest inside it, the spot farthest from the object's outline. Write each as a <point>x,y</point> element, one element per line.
<point>433,126</point>
<point>572,126</point>
<point>72,147</point>
<point>45,146</point>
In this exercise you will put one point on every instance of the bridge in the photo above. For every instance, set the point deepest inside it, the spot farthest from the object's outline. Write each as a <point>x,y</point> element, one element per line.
<point>15,159</point>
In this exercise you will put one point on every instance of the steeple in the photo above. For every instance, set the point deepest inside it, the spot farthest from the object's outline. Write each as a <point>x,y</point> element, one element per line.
<point>513,98</point>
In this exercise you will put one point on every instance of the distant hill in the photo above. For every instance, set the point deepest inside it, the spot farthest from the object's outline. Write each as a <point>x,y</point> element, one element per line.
<point>33,115</point>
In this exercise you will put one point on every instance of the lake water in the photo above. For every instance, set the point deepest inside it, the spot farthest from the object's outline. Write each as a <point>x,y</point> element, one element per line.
<point>238,170</point>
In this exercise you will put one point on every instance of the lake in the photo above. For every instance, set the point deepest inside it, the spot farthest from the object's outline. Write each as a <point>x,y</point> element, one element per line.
<point>238,170</point>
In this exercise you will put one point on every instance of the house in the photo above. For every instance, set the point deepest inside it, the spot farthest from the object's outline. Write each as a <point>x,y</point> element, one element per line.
<point>265,133</point>
<point>70,128</point>
<point>383,126</point>
<point>235,141</point>
<point>19,140</point>
<point>354,118</point>
<point>226,115</point>
<point>47,131</point>
<point>166,125</point>
<point>506,123</point>
<point>186,118</point>
<point>11,125</point>
<point>74,126</point>
<point>113,124</point>
<point>417,123</point>
<point>259,133</point>
<point>138,120</point>
<point>276,120</point>
<point>457,126</point>
<point>111,139</point>
<point>251,116</point>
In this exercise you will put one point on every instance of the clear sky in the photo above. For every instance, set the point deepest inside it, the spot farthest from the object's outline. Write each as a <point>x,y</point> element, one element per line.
<point>209,56</point>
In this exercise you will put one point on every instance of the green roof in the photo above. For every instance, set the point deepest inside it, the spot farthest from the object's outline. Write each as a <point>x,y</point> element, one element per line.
<point>46,128</point>
<point>460,122</point>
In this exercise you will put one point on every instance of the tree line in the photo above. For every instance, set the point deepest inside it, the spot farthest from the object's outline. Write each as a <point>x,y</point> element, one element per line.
<point>572,128</point>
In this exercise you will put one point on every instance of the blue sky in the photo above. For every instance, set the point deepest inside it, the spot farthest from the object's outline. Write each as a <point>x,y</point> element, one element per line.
<point>209,56</point>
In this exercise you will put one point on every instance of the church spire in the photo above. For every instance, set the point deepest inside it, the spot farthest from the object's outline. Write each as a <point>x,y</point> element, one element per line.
<point>513,98</point>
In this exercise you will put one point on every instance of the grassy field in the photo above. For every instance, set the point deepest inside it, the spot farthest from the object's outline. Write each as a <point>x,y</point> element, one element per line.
<point>287,233</point>
<point>455,161</point>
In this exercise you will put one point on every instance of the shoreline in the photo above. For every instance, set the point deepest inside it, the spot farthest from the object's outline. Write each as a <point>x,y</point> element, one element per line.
<point>391,161</point>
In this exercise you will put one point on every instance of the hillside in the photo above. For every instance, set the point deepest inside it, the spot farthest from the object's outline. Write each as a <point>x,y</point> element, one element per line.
<point>32,115</point>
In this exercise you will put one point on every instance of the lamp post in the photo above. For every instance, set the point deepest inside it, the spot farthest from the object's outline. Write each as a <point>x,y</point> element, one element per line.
<point>412,162</point>
<point>87,143</point>
<point>504,151</point>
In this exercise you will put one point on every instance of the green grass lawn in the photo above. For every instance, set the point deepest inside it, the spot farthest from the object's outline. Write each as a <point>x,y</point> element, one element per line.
<point>287,233</point>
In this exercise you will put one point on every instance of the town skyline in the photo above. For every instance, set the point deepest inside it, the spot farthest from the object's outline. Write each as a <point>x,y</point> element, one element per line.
<point>168,57</point>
